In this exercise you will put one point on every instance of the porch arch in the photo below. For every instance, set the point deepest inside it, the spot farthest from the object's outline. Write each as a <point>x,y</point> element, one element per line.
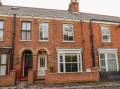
<point>43,48</point>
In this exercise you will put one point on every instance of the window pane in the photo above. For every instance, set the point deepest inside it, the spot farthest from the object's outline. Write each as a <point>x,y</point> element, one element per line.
<point>103,69</point>
<point>112,66</point>
<point>105,31</point>
<point>68,32</point>
<point>68,58</point>
<point>1,24</point>
<point>61,67</point>
<point>26,26</point>
<point>111,56</point>
<point>70,38</point>
<point>105,37</point>
<point>3,58</point>
<point>102,56</point>
<point>103,63</point>
<point>28,35</point>
<point>44,31</point>
<point>74,67</point>
<point>61,58</point>
<point>1,35</point>
<point>74,58</point>
<point>68,67</point>
<point>66,37</point>
<point>2,70</point>
<point>24,35</point>
<point>44,26</point>
<point>71,67</point>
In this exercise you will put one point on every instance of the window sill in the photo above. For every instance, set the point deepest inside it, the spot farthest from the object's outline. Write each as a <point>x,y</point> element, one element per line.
<point>68,41</point>
<point>106,41</point>
<point>3,75</point>
<point>26,40</point>
<point>70,72</point>
<point>1,40</point>
<point>43,41</point>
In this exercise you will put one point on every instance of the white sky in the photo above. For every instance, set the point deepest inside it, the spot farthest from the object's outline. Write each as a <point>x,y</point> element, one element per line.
<point>106,7</point>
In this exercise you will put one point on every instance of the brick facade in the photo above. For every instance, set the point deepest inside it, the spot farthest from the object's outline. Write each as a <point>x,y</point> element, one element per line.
<point>82,40</point>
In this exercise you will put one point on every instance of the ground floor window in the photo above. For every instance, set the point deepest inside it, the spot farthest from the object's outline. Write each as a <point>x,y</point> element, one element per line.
<point>108,60</point>
<point>3,64</point>
<point>69,60</point>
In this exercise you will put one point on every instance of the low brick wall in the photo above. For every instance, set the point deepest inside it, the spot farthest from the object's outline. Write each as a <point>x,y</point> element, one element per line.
<point>72,77</point>
<point>8,80</point>
<point>31,76</point>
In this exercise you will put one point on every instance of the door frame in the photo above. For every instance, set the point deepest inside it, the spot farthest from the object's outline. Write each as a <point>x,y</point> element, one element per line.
<point>23,65</point>
<point>38,67</point>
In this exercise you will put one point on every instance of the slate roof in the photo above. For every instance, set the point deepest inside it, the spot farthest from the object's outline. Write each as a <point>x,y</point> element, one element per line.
<point>55,13</point>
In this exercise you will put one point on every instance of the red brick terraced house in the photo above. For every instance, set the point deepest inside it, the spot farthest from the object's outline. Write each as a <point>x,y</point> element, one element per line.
<point>57,46</point>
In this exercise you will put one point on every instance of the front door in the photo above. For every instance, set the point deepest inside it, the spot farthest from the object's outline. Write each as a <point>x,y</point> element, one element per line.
<point>27,62</point>
<point>42,65</point>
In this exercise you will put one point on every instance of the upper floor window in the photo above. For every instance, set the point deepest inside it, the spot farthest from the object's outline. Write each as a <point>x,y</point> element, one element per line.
<point>43,32</point>
<point>26,31</point>
<point>1,29</point>
<point>3,64</point>
<point>105,34</point>
<point>68,32</point>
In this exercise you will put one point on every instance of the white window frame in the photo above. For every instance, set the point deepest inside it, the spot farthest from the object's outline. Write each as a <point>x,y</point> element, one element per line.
<point>3,64</point>
<point>40,31</point>
<point>72,31</point>
<point>102,34</point>
<point>106,52</point>
<point>69,51</point>
<point>26,30</point>
<point>2,30</point>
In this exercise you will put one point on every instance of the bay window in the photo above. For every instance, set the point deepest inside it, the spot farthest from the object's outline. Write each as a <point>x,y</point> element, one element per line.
<point>108,61</point>
<point>69,60</point>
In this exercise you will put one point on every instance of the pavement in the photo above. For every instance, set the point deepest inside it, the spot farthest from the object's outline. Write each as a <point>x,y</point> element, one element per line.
<point>91,85</point>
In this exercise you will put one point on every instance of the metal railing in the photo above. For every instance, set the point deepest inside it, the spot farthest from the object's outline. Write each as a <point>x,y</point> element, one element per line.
<point>109,76</point>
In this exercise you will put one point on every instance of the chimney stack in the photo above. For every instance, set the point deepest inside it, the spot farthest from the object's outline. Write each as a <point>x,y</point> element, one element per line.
<point>0,3</point>
<point>74,6</point>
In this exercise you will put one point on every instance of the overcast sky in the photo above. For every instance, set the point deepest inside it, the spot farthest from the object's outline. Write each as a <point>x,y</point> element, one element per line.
<point>106,7</point>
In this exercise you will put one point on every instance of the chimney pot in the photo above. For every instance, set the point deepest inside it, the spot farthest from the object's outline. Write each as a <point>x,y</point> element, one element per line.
<point>74,6</point>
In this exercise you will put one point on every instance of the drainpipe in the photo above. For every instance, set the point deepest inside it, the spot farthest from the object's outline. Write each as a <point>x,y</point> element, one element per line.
<point>13,40</point>
<point>92,39</point>
<point>92,44</point>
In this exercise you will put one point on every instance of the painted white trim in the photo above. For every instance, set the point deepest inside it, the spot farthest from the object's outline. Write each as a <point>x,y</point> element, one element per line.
<point>43,40</point>
<point>109,37</point>
<point>25,40</point>
<point>40,31</point>
<point>69,51</point>
<point>38,68</point>
<point>68,41</point>
<point>105,52</point>
<point>73,30</point>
